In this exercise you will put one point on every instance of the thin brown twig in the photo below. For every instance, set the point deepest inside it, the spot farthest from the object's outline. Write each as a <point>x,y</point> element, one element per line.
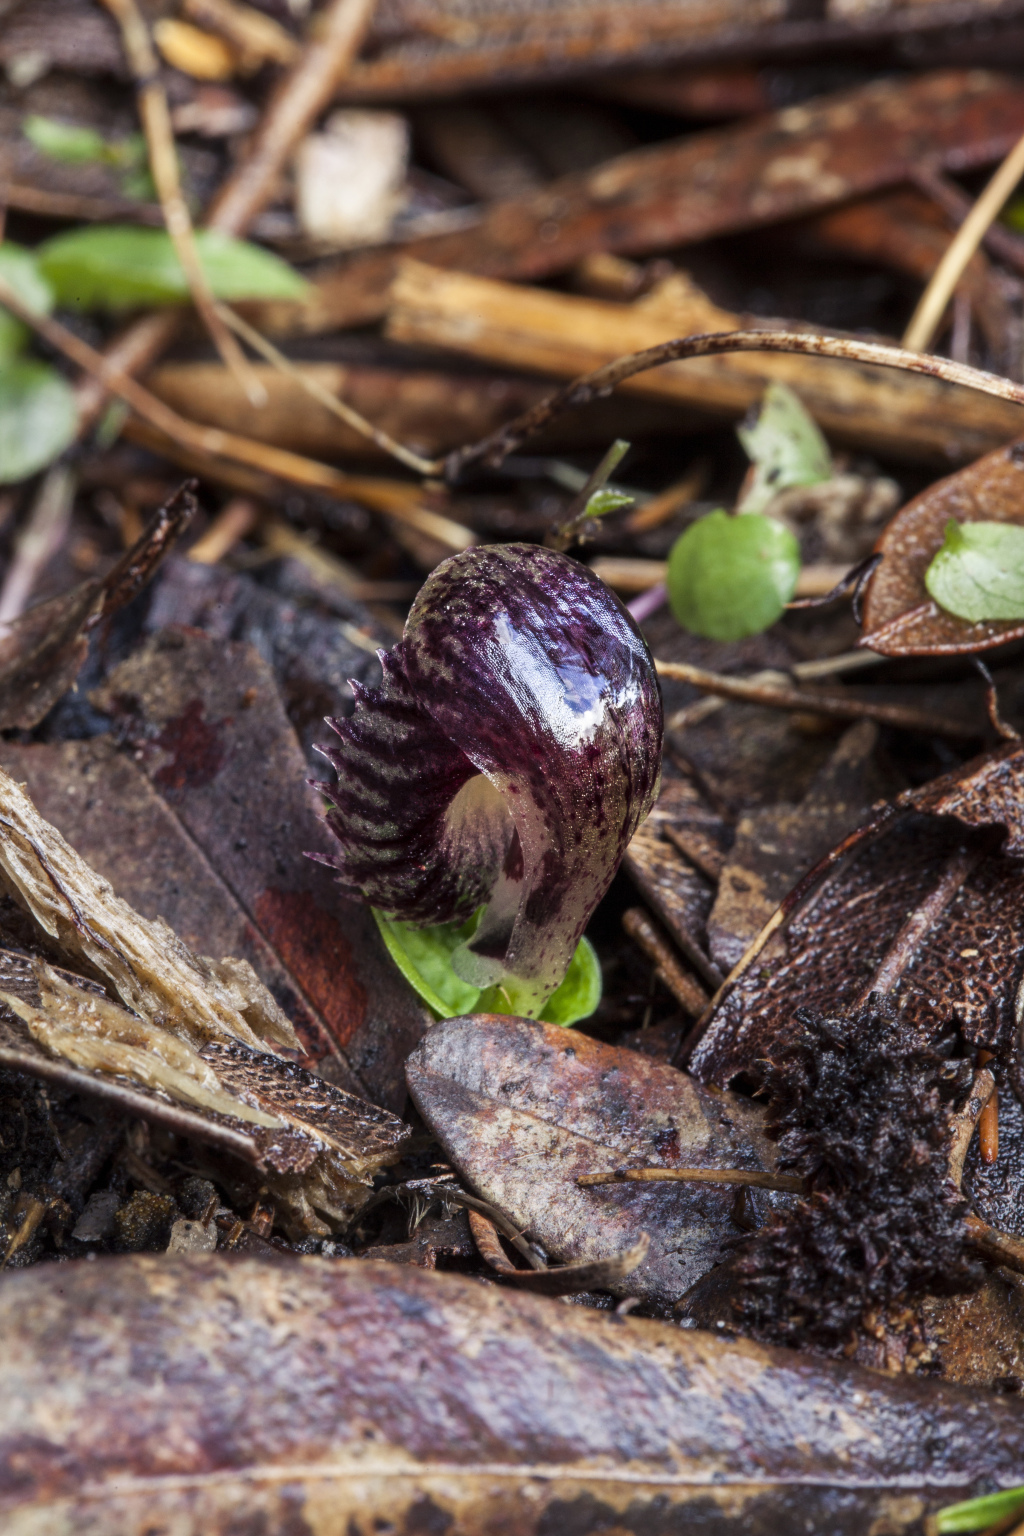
<point>155,115</point>
<point>686,989</point>
<point>931,179</point>
<point>294,106</point>
<point>788,1183</point>
<point>494,448</point>
<point>395,498</point>
<point>345,413</point>
<point>835,706</point>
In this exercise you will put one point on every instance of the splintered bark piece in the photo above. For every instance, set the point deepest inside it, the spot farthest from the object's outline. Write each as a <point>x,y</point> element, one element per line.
<point>196,1034</point>
<point>567,336</point>
<point>796,162</point>
<point>149,967</point>
<point>44,650</point>
<point>419,50</point>
<point>524,1109</point>
<point>899,617</point>
<point>923,904</point>
<point>216,1394</point>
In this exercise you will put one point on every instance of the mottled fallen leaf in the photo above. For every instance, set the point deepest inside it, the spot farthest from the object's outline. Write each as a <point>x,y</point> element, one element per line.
<point>900,618</point>
<point>205,818</point>
<point>44,650</point>
<point>523,1109</point>
<point>208,1395</point>
<point>924,904</point>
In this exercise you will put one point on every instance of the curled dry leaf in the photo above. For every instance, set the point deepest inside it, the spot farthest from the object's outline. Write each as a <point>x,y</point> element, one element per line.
<point>44,650</point>
<point>922,904</point>
<point>209,1395</point>
<point>196,1032</point>
<point>900,619</point>
<point>523,1111</point>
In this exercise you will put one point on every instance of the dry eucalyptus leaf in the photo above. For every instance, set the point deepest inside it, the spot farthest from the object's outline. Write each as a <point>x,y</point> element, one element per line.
<point>900,618</point>
<point>523,1109</point>
<point>44,650</point>
<point>209,1395</point>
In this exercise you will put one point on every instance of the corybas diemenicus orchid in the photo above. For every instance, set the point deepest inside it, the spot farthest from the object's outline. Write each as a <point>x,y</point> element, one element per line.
<point>510,754</point>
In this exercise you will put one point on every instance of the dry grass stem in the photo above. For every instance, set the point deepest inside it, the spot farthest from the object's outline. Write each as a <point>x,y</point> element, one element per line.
<point>927,317</point>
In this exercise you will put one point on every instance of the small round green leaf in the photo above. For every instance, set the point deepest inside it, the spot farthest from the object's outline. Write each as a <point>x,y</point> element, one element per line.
<point>118,266</point>
<point>37,417</point>
<point>978,573</point>
<point>732,576</point>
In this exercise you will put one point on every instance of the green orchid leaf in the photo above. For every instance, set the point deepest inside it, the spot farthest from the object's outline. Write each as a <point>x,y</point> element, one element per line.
<point>424,957</point>
<point>38,419</point>
<point>19,268</point>
<point>732,576</point>
<point>978,573</point>
<point>580,991</point>
<point>786,445</point>
<point>119,266</point>
<point>977,1514</point>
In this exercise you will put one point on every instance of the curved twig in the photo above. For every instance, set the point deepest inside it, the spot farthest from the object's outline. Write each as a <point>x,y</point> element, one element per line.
<point>493,449</point>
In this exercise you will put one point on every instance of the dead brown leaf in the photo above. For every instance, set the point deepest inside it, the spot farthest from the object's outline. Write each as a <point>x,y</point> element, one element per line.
<point>213,1394</point>
<point>44,650</point>
<point>900,619</point>
<point>524,1109</point>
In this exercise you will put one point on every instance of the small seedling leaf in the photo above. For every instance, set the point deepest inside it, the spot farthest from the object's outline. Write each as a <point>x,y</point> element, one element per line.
<point>115,266</point>
<point>786,445</point>
<point>977,1514</point>
<point>978,574</point>
<point>729,577</point>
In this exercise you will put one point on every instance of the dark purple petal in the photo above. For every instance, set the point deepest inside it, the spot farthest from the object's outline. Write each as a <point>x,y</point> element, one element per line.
<point>518,665</point>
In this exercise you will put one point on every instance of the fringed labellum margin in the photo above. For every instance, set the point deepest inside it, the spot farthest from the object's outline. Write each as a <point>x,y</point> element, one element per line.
<point>510,754</point>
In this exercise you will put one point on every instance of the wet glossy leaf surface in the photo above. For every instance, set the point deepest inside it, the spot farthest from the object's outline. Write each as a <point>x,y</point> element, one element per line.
<point>215,1394</point>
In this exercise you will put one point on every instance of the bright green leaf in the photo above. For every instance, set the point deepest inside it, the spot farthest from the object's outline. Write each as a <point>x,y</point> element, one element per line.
<point>424,957</point>
<point>66,142</point>
<point>37,417</point>
<point>786,445</point>
<point>18,267</point>
<point>976,1514</point>
<point>732,576</point>
<point>580,990</point>
<point>607,499</point>
<point>978,573</point>
<point>118,266</point>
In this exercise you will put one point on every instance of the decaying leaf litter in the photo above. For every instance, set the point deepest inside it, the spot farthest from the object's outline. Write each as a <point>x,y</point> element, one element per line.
<point>775,1098</point>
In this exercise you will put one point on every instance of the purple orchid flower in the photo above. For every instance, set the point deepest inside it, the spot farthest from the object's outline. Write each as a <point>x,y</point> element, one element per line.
<point>511,752</point>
